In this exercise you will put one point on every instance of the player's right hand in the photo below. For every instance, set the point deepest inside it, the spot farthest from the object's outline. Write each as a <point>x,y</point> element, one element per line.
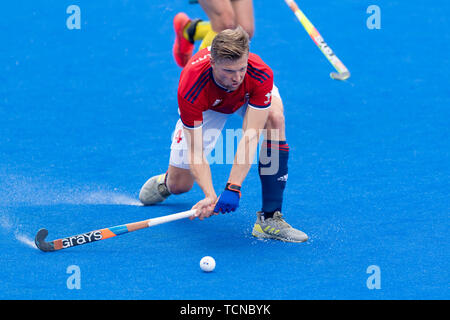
<point>205,208</point>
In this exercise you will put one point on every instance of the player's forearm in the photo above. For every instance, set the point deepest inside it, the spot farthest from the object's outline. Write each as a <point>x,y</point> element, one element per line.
<point>244,156</point>
<point>198,164</point>
<point>202,175</point>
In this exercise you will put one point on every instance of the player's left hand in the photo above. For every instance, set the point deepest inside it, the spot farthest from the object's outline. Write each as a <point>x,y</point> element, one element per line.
<point>229,199</point>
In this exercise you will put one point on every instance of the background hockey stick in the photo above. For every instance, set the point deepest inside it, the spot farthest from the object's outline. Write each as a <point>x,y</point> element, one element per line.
<point>343,73</point>
<point>103,234</point>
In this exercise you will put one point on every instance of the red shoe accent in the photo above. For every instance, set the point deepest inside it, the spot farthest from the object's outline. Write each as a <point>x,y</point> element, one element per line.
<point>182,48</point>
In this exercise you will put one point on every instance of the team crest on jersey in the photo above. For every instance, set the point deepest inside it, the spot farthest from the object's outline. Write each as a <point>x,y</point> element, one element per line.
<point>216,103</point>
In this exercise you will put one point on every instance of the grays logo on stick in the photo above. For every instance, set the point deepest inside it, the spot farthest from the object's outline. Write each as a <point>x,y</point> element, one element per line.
<point>81,239</point>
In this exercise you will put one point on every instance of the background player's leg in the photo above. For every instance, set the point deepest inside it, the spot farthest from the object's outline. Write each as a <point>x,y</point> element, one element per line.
<point>227,15</point>
<point>243,10</point>
<point>221,15</point>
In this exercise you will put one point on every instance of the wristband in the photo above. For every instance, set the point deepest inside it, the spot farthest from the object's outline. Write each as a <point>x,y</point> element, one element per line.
<point>233,187</point>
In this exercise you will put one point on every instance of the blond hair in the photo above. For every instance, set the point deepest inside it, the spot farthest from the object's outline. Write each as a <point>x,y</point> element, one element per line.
<point>230,45</point>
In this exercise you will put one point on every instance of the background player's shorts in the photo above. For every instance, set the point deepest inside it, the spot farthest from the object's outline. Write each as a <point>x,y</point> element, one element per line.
<point>213,123</point>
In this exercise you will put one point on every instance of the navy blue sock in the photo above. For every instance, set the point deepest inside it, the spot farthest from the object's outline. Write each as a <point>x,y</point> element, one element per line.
<point>273,173</point>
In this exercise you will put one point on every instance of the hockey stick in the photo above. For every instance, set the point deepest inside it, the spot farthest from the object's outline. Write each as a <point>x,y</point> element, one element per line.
<point>103,234</point>
<point>343,73</point>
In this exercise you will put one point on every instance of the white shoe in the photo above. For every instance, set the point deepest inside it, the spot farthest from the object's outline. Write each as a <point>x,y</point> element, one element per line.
<point>154,190</point>
<point>277,228</point>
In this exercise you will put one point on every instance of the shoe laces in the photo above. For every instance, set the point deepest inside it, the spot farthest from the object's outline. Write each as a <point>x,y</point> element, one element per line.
<point>278,220</point>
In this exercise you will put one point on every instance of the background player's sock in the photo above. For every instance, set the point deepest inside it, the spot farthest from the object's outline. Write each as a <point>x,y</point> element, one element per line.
<point>207,40</point>
<point>202,29</point>
<point>196,30</point>
<point>273,154</point>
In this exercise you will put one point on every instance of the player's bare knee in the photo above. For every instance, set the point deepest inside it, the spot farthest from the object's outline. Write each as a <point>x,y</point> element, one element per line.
<point>180,187</point>
<point>275,120</point>
<point>178,183</point>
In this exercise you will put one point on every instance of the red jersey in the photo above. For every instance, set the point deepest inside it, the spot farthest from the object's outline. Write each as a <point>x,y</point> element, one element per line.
<point>198,92</point>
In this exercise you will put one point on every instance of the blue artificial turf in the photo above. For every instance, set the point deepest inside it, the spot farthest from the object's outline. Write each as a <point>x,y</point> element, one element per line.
<point>86,117</point>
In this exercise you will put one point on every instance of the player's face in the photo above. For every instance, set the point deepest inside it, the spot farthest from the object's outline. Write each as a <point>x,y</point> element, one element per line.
<point>230,74</point>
